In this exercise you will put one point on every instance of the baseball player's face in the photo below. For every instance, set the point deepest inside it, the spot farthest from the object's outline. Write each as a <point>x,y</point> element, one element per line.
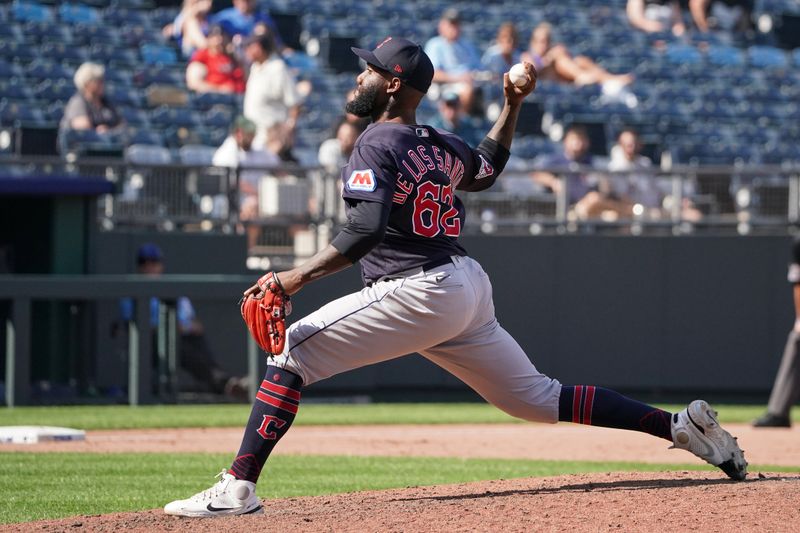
<point>370,95</point>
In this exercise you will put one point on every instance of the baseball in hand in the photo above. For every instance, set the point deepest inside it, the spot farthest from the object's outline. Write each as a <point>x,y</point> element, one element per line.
<point>518,76</point>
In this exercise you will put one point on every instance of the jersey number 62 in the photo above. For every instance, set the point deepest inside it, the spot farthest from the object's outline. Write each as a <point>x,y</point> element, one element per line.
<point>434,211</point>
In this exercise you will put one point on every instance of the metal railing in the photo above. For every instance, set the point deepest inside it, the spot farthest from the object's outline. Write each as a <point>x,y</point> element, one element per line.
<point>683,199</point>
<point>299,207</point>
<point>22,291</point>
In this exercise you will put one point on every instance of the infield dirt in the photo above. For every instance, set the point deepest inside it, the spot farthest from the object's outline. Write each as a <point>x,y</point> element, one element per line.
<point>652,501</point>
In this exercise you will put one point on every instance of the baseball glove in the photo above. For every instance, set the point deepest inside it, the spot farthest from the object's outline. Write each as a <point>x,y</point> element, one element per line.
<point>265,314</point>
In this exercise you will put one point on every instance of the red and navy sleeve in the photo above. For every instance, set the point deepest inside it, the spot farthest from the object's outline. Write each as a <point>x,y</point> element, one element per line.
<point>488,161</point>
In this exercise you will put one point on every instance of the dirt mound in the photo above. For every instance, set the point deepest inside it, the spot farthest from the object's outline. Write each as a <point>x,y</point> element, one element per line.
<point>676,501</point>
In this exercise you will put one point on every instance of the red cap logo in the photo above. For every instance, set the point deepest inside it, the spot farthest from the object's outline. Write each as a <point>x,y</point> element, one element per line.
<point>398,69</point>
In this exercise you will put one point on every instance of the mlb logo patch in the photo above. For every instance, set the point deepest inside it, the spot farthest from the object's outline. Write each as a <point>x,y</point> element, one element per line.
<point>422,132</point>
<point>362,180</point>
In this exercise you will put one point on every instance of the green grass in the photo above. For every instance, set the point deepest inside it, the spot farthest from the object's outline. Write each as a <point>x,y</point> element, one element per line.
<point>228,415</point>
<point>68,484</point>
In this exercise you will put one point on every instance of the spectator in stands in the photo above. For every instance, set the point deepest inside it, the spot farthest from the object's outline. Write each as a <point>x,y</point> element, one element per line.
<point>504,53</point>
<point>554,62</point>
<point>240,20</point>
<point>215,69</point>
<point>88,108</point>
<point>499,58</point>
<point>455,60</point>
<point>451,117</point>
<point>190,26</point>
<point>654,16</point>
<point>271,99</point>
<point>582,189</point>
<point>639,194</point>
<point>239,151</point>
<point>731,16</point>
<point>334,152</point>
<point>194,355</point>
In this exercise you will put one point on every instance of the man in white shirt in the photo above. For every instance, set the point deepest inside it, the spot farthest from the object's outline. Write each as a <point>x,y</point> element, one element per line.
<point>643,193</point>
<point>239,151</point>
<point>270,97</point>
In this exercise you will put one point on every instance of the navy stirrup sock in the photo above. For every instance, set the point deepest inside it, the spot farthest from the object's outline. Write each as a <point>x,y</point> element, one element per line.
<point>273,412</point>
<point>596,406</point>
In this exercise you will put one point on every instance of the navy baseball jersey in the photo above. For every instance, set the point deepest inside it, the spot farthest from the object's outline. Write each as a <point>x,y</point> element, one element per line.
<point>414,170</point>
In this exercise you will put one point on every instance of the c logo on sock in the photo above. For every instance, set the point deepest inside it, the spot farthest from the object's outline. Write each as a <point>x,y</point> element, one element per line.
<point>269,419</point>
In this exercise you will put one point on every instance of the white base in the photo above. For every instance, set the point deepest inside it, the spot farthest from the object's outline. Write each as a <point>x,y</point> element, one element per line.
<point>34,434</point>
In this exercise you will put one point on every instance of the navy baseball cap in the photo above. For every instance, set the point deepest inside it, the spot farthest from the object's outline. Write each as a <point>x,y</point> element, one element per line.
<point>149,252</point>
<point>403,59</point>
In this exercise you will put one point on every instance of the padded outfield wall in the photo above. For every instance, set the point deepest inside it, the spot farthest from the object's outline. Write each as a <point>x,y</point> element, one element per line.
<point>663,316</point>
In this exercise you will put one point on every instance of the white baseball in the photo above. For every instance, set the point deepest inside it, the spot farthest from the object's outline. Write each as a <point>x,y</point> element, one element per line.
<point>518,76</point>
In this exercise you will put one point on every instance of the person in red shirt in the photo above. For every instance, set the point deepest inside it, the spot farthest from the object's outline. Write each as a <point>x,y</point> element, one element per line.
<point>215,69</point>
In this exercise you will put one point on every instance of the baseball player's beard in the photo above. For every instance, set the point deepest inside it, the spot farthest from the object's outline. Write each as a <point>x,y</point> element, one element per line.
<point>363,105</point>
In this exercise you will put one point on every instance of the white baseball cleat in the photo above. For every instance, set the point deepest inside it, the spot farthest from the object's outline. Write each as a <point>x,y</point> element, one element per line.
<point>229,496</point>
<point>697,430</point>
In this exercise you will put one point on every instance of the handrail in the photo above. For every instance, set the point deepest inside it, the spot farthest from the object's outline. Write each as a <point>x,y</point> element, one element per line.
<point>22,290</point>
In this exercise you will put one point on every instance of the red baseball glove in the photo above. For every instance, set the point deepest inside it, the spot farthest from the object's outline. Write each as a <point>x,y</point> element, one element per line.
<point>265,314</point>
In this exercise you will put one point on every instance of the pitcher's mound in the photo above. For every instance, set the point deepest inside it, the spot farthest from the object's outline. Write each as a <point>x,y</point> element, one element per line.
<point>665,501</point>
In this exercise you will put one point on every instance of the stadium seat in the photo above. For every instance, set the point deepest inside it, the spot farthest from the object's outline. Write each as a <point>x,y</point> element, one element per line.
<point>155,54</point>
<point>683,54</point>
<point>54,90</point>
<point>196,154</point>
<point>147,154</point>
<point>21,113</point>
<point>14,89</point>
<point>725,55</point>
<point>767,57</point>
<point>31,12</point>
<point>64,53</point>
<point>78,14</point>
<point>143,136</point>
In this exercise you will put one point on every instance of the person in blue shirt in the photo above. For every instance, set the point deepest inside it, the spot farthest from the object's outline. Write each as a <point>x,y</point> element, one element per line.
<point>456,61</point>
<point>451,117</point>
<point>500,57</point>
<point>195,355</point>
<point>240,21</point>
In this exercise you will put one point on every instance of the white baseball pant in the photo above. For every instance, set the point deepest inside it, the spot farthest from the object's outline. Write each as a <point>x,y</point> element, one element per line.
<point>447,315</point>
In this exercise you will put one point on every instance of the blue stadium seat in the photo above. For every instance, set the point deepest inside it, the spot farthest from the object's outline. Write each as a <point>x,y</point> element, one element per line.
<point>156,54</point>
<point>31,12</point>
<point>196,154</point>
<point>21,113</point>
<point>78,14</point>
<point>62,52</point>
<point>218,117</point>
<point>48,70</point>
<point>19,51</point>
<point>11,31</point>
<point>169,117</point>
<point>114,54</point>
<point>144,136</point>
<point>725,55</point>
<point>767,57</point>
<point>147,154</point>
<point>14,89</point>
<point>683,54</point>
<point>54,90</point>
<point>9,70</point>
<point>206,101</point>
<point>95,35</point>
<point>123,95</point>
<point>134,117</point>
<point>48,31</point>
